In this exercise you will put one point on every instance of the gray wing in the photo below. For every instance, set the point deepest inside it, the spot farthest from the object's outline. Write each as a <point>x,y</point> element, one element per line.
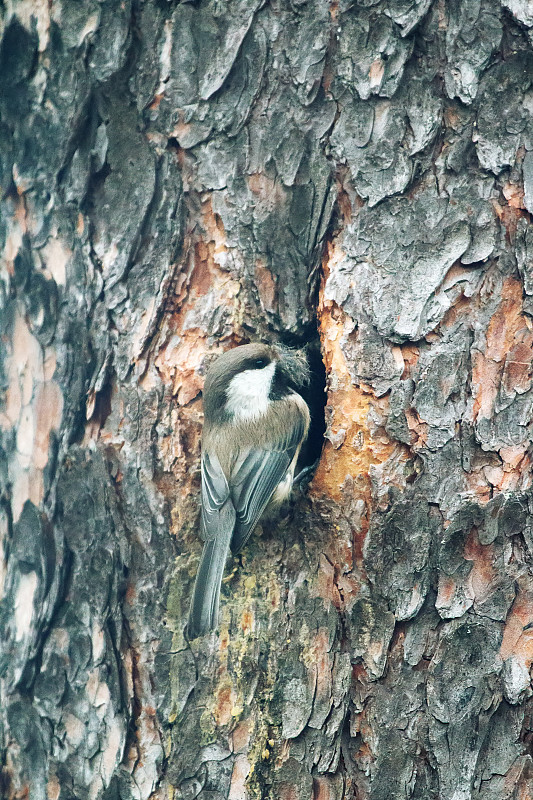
<point>254,479</point>
<point>215,494</point>
<point>218,522</point>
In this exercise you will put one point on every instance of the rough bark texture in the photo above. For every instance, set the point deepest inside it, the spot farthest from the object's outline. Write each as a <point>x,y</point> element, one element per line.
<point>178,178</point>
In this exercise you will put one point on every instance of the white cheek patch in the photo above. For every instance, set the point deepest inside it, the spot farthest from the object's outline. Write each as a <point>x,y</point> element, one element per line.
<point>247,393</point>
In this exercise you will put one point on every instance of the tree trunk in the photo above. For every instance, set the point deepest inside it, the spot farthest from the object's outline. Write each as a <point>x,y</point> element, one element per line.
<point>179,178</point>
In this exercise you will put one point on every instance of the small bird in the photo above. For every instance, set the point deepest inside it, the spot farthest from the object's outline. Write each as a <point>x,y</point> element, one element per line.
<point>254,425</point>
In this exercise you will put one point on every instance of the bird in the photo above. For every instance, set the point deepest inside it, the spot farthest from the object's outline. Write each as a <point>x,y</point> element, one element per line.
<point>255,422</point>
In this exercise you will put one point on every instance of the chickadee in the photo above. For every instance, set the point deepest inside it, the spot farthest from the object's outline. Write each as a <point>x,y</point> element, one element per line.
<point>254,425</point>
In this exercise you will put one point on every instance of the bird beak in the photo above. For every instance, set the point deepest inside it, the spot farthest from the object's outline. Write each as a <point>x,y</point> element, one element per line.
<point>293,364</point>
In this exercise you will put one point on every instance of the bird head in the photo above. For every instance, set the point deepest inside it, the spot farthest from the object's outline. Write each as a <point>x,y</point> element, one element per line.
<point>243,381</point>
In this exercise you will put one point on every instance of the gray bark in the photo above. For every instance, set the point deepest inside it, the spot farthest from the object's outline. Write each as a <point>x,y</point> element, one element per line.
<point>178,178</point>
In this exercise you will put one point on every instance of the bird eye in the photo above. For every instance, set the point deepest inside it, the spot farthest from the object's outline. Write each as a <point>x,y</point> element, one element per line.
<point>260,363</point>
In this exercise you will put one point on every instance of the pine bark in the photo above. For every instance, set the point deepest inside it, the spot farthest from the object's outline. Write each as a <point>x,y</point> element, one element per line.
<point>180,178</point>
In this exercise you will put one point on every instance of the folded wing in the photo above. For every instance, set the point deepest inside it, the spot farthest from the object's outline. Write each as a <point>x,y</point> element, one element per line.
<point>255,477</point>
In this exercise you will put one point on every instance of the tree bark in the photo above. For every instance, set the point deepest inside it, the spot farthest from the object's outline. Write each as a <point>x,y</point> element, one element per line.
<point>180,178</point>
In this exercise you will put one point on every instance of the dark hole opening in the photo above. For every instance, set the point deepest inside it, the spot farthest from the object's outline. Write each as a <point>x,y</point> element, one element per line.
<point>315,397</point>
<point>102,404</point>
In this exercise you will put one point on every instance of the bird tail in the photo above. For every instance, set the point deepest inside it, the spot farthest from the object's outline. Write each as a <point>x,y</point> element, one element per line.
<point>203,614</point>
